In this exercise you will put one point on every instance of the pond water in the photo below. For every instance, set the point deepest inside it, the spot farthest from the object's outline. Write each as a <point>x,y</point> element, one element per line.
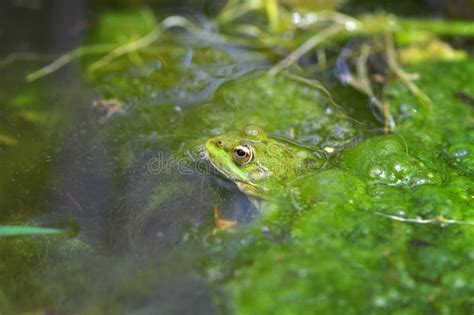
<point>104,112</point>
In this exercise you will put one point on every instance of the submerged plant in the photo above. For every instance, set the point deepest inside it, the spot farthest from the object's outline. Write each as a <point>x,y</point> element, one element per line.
<point>17,230</point>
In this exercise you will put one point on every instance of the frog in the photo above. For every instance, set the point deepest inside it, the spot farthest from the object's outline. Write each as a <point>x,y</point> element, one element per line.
<point>262,166</point>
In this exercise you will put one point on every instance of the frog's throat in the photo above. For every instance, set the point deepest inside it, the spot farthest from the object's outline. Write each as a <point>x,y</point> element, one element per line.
<point>248,189</point>
<point>227,173</point>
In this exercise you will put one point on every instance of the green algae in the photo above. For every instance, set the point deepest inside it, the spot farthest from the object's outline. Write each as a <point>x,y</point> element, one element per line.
<point>391,231</point>
<point>349,256</point>
<point>386,161</point>
<point>326,189</point>
<point>345,257</point>
<point>461,156</point>
<point>355,263</point>
<point>133,25</point>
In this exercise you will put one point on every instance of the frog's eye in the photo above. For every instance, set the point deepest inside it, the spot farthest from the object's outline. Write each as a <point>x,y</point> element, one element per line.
<point>242,154</point>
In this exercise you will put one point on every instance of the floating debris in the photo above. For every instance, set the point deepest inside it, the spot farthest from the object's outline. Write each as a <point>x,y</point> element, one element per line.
<point>108,107</point>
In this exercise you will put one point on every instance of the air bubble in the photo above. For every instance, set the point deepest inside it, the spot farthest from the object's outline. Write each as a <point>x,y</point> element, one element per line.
<point>376,172</point>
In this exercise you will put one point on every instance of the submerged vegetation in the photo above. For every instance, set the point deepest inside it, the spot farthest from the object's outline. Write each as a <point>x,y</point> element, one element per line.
<point>384,227</point>
<point>16,230</point>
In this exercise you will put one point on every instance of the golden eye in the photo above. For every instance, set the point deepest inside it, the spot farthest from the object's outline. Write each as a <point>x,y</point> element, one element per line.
<point>243,154</point>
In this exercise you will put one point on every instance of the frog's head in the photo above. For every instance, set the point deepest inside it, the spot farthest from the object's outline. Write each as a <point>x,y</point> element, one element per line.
<point>260,165</point>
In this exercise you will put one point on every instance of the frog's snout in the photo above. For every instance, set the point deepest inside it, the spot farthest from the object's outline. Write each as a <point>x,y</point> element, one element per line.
<point>209,143</point>
<point>217,142</point>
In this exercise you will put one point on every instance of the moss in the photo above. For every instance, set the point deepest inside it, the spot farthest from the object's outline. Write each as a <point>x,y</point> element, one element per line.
<point>386,161</point>
<point>122,26</point>
<point>327,189</point>
<point>448,117</point>
<point>389,231</point>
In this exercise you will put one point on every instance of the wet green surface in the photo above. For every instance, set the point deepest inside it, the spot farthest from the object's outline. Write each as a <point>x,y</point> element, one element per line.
<point>391,232</point>
<point>385,228</point>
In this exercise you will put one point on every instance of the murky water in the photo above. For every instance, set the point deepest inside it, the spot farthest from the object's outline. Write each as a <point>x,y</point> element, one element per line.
<point>126,250</point>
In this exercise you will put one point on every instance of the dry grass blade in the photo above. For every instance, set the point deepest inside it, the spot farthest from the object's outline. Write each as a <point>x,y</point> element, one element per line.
<point>127,48</point>
<point>7,140</point>
<point>65,59</point>
<point>114,52</point>
<point>363,85</point>
<point>29,56</point>
<point>439,220</point>
<point>406,78</point>
<point>307,46</point>
<point>309,82</point>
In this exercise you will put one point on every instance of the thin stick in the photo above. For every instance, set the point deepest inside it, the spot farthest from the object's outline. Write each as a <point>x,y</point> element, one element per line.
<point>117,52</point>
<point>233,11</point>
<point>307,46</point>
<point>362,73</point>
<point>362,84</point>
<point>402,75</point>
<point>11,58</point>
<point>436,220</point>
<point>310,82</point>
<point>65,59</point>
<point>127,48</point>
<point>7,140</point>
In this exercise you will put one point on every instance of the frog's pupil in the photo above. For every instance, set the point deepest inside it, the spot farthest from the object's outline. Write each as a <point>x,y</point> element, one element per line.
<point>241,152</point>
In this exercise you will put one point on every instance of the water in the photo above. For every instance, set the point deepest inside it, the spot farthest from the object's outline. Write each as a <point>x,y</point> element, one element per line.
<point>62,172</point>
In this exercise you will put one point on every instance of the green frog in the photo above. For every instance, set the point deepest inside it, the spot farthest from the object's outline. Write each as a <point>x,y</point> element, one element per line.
<point>262,166</point>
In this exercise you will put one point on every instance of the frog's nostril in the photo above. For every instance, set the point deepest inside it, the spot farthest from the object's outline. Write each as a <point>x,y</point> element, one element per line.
<point>219,143</point>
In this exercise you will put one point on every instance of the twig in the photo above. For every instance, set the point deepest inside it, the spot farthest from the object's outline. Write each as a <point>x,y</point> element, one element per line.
<point>127,48</point>
<point>310,82</point>
<point>167,23</point>
<point>348,22</point>
<point>233,11</point>
<point>362,84</point>
<point>7,140</point>
<point>65,59</point>
<point>440,220</point>
<point>406,78</point>
<point>11,58</point>
<point>307,46</point>
<point>389,123</point>
<point>362,73</point>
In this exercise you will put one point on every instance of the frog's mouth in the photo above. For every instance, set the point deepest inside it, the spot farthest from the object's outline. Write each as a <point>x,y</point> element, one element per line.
<point>228,173</point>
<point>248,189</point>
<point>244,185</point>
